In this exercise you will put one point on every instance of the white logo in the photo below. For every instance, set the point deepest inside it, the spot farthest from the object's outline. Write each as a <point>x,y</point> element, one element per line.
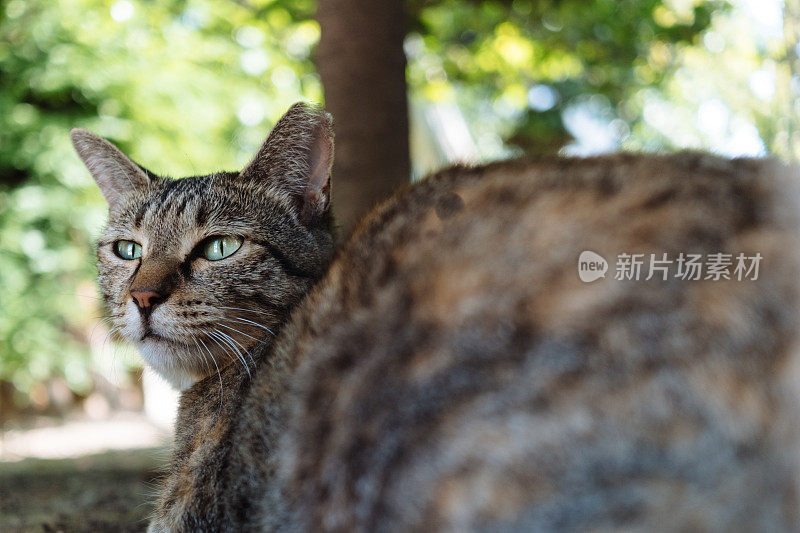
<point>591,266</point>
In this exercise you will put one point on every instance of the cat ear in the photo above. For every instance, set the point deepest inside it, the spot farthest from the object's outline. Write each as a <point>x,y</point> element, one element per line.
<point>115,174</point>
<point>296,160</point>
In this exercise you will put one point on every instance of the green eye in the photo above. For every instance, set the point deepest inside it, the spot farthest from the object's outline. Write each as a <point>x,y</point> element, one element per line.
<point>128,249</point>
<point>218,248</point>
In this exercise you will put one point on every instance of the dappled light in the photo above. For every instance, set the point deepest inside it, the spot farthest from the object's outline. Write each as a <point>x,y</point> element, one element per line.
<point>192,87</point>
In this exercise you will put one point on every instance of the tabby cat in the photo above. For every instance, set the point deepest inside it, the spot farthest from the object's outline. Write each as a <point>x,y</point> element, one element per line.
<point>448,370</point>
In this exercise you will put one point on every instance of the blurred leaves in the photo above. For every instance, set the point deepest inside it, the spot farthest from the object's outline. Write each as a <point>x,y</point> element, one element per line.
<point>191,86</point>
<point>641,74</point>
<point>183,87</point>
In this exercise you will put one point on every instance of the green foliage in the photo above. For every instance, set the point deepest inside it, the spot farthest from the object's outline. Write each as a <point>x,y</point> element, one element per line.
<point>646,72</point>
<point>190,86</point>
<point>494,53</point>
<point>183,87</point>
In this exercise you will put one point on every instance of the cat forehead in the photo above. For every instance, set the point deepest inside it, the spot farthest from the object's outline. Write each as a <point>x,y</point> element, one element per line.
<point>174,206</point>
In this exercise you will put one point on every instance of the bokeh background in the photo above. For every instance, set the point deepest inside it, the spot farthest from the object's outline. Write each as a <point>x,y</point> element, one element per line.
<point>192,86</point>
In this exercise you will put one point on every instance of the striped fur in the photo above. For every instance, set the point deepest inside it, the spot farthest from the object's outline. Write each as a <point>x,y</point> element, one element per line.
<point>450,372</point>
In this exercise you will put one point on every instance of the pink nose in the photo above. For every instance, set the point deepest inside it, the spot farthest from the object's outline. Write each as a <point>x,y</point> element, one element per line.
<point>145,299</point>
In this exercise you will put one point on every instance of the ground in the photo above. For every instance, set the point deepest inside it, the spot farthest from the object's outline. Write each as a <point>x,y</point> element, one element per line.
<point>90,490</point>
<point>105,492</point>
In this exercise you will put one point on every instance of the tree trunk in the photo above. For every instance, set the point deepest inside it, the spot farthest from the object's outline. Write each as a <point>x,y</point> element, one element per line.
<point>361,62</point>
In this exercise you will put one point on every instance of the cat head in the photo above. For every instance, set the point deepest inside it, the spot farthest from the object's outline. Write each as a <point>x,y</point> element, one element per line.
<point>196,272</point>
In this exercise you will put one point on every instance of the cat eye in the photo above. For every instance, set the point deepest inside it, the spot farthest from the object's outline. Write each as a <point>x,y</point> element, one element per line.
<point>217,248</point>
<point>128,249</point>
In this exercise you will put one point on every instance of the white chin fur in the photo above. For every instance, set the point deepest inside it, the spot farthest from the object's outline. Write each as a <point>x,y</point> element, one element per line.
<point>164,360</point>
<point>168,360</point>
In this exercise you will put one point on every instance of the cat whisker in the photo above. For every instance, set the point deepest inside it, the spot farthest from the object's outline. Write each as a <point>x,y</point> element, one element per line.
<point>210,338</point>
<point>226,349</point>
<point>227,336</point>
<point>110,337</point>
<point>188,349</point>
<point>105,339</point>
<point>203,355</point>
<point>215,365</point>
<point>230,342</point>
<point>101,320</point>
<point>108,317</point>
<point>244,309</point>
<point>112,330</point>
<point>244,320</point>
<point>79,295</point>
<point>243,333</point>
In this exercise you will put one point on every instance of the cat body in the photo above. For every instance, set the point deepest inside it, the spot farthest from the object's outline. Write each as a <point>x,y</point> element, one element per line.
<point>455,374</point>
<point>450,371</point>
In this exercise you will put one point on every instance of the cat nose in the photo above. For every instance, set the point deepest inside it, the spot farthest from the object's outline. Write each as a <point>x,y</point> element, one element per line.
<point>146,300</point>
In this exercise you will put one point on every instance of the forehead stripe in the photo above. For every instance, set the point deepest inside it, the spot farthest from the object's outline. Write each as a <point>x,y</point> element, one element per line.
<point>202,214</point>
<point>181,206</point>
<point>137,221</point>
